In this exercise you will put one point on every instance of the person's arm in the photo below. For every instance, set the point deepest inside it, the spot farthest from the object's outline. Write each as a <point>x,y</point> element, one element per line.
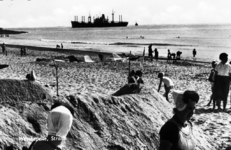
<point>160,84</point>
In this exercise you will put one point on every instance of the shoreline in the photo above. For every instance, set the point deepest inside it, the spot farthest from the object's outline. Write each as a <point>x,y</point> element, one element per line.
<point>92,51</point>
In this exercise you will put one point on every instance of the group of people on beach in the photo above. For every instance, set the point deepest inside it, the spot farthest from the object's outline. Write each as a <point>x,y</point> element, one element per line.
<point>150,53</point>
<point>177,132</point>
<point>219,78</point>
<point>170,56</point>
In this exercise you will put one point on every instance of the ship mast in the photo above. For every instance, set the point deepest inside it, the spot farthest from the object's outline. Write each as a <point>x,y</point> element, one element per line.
<point>112,16</point>
<point>89,18</point>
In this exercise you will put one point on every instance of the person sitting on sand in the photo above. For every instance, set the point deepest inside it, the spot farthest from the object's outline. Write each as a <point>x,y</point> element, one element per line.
<point>177,132</point>
<point>211,80</point>
<point>59,123</point>
<point>131,77</point>
<point>31,76</point>
<point>222,81</point>
<point>168,84</point>
<point>138,77</point>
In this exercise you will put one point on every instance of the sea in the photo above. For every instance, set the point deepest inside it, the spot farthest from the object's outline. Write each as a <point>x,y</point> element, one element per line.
<point>209,40</point>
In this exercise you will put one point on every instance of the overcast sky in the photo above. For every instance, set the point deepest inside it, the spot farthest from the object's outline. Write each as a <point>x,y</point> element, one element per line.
<point>50,13</point>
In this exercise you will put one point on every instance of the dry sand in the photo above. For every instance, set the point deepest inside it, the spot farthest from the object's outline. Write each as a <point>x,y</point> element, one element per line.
<point>108,77</point>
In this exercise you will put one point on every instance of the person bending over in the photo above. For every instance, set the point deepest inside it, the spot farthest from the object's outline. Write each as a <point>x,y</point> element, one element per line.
<point>168,84</point>
<point>177,132</point>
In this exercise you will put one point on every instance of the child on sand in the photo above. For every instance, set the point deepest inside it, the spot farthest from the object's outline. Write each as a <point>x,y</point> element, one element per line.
<point>168,84</point>
<point>211,80</point>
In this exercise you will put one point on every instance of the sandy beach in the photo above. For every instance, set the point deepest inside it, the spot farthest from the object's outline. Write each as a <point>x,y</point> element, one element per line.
<point>107,77</point>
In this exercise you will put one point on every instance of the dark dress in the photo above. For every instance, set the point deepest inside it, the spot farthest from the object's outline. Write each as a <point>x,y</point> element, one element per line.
<point>174,132</point>
<point>221,87</point>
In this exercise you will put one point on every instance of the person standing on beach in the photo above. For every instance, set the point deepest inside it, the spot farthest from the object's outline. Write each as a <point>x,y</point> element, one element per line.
<point>222,81</point>
<point>211,80</point>
<point>156,54</point>
<point>61,45</point>
<point>177,132</point>
<point>194,52</point>
<point>3,48</point>
<point>168,84</point>
<point>169,57</point>
<point>150,55</point>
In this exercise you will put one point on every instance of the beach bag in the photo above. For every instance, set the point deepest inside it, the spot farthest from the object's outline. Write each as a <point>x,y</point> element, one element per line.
<point>211,76</point>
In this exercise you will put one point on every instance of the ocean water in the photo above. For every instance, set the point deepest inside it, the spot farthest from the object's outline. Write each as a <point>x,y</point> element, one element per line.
<point>208,40</point>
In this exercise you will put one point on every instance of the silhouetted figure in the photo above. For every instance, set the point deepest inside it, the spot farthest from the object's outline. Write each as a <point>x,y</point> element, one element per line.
<point>169,57</point>
<point>57,46</point>
<point>101,57</point>
<point>211,80</point>
<point>25,51</point>
<point>21,51</point>
<point>178,53</point>
<point>61,45</point>
<point>4,51</point>
<point>150,52</point>
<point>194,52</point>
<point>156,54</point>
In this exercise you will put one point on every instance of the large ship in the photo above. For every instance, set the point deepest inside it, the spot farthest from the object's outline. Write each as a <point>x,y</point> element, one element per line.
<point>98,22</point>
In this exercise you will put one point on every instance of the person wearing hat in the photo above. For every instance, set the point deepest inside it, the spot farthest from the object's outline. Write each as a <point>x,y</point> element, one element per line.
<point>168,84</point>
<point>59,123</point>
<point>211,80</point>
<point>177,132</point>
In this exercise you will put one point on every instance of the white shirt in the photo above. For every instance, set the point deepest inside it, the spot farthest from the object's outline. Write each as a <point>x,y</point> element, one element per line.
<point>167,81</point>
<point>223,69</point>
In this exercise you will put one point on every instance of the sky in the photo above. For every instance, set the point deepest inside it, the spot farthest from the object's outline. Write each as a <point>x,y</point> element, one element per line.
<point>53,13</point>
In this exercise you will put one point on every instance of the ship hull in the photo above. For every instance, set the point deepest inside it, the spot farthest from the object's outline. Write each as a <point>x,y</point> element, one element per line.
<point>76,24</point>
